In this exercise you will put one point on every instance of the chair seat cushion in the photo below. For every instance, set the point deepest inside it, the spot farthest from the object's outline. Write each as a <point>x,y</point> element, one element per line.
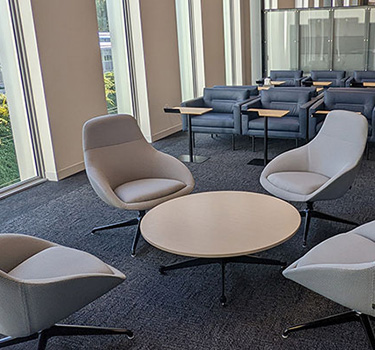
<point>147,189</point>
<point>301,182</point>
<point>279,124</point>
<point>347,248</point>
<point>59,262</point>
<point>221,120</point>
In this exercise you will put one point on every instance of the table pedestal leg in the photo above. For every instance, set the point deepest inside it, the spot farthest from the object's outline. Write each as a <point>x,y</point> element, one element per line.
<point>245,259</point>
<point>264,161</point>
<point>191,158</point>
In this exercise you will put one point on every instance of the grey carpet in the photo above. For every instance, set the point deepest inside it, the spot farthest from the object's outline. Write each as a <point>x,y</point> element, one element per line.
<point>181,310</point>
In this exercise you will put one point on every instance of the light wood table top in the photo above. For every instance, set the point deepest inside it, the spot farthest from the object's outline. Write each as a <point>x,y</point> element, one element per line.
<point>187,110</point>
<point>220,224</point>
<point>275,113</point>
<point>369,83</point>
<point>277,82</point>
<point>322,83</point>
<point>263,87</point>
<point>326,112</point>
<point>319,89</point>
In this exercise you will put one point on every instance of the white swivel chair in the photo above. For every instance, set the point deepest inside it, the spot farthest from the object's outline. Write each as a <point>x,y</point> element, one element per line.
<point>126,172</point>
<point>323,169</point>
<point>342,268</point>
<point>42,283</point>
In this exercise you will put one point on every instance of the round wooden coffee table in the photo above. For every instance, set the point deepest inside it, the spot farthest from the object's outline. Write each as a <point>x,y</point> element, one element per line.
<point>220,227</point>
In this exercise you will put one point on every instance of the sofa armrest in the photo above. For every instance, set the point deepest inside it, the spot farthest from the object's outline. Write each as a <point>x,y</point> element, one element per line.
<point>342,81</point>
<point>307,81</point>
<point>195,102</point>
<point>246,117</point>
<point>299,81</point>
<point>372,136</point>
<point>349,82</point>
<point>315,119</point>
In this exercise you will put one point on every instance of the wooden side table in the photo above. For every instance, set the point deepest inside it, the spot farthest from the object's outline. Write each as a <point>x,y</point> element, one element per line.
<point>322,83</point>
<point>189,111</point>
<point>369,83</point>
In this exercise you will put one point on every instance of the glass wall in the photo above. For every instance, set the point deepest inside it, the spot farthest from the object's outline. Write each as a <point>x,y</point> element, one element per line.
<point>315,33</point>
<point>334,38</point>
<point>9,173</point>
<point>282,46</point>
<point>18,161</point>
<point>349,41</point>
<point>371,56</point>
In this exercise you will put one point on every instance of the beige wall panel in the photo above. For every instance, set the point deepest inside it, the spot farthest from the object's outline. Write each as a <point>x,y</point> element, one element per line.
<point>286,4</point>
<point>70,60</point>
<point>213,42</point>
<point>160,47</point>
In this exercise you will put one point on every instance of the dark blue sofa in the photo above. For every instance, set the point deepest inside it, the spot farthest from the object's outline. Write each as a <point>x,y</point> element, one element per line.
<point>336,77</point>
<point>357,100</point>
<point>358,77</point>
<point>293,125</point>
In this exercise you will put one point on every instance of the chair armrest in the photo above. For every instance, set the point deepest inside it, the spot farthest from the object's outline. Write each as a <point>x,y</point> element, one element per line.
<point>195,102</point>
<point>307,81</point>
<point>349,81</point>
<point>315,119</point>
<point>251,103</point>
<point>372,136</point>
<point>342,81</point>
<point>299,80</point>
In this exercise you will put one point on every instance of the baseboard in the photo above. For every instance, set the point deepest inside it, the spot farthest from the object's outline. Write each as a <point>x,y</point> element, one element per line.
<point>70,170</point>
<point>161,134</point>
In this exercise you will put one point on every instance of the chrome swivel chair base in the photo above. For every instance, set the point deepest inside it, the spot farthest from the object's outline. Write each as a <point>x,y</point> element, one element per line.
<point>64,330</point>
<point>337,319</point>
<point>132,222</point>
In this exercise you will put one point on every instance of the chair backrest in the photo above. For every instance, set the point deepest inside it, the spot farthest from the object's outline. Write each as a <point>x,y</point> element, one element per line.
<point>253,89</point>
<point>361,76</point>
<point>115,145</point>
<point>322,75</point>
<point>283,98</point>
<point>339,144</point>
<point>311,89</point>
<point>285,74</point>
<point>355,100</point>
<point>223,100</point>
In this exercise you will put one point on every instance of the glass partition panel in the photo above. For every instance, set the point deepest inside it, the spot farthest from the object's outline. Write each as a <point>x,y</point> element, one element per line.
<point>315,32</point>
<point>349,44</point>
<point>371,54</point>
<point>282,43</point>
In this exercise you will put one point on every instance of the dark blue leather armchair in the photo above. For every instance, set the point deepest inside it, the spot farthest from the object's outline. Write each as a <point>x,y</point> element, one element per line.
<point>291,77</point>
<point>336,77</point>
<point>357,100</point>
<point>293,125</point>
<point>358,77</point>
<point>225,118</point>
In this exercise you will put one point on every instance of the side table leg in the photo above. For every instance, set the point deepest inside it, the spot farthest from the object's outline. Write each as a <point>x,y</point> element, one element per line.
<point>223,298</point>
<point>190,139</point>
<point>265,141</point>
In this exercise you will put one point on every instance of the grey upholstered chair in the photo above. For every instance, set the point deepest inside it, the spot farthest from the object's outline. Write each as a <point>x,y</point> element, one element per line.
<point>42,283</point>
<point>323,169</point>
<point>126,172</point>
<point>342,269</point>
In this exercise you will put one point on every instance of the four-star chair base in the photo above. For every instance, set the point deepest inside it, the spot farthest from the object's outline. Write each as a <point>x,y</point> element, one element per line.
<point>337,319</point>
<point>132,222</point>
<point>64,330</point>
<point>309,213</point>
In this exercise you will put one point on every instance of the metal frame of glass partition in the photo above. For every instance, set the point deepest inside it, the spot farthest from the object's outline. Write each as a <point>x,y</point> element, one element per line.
<point>322,46</point>
<point>29,104</point>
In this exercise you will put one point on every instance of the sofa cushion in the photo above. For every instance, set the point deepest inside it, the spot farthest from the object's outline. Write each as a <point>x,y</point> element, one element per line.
<point>57,262</point>
<point>147,189</point>
<point>276,124</point>
<point>223,100</point>
<point>301,182</point>
<point>214,120</point>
